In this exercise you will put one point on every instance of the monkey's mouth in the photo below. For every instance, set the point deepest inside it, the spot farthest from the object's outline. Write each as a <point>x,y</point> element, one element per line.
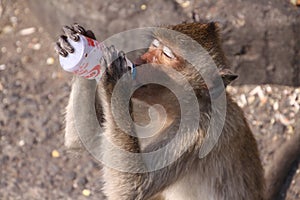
<point>139,61</point>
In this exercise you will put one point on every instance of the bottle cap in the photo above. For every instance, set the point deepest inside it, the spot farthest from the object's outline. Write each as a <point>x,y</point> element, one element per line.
<point>85,60</point>
<point>72,61</point>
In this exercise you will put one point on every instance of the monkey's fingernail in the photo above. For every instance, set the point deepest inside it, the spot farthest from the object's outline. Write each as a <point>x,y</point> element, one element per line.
<point>79,28</point>
<point>66,28</point>
<point>122,54</point>
<point>112,48</point>
<point>71,50</point>
<point>63,53</point>
<point>75,37</point>
<point>60,50</point>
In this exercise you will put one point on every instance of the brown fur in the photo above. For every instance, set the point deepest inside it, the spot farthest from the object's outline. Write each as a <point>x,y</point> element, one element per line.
<point>231,171</point>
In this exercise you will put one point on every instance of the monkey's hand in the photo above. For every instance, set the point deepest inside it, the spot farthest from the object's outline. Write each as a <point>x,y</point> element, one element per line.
<point>63,47</point>
<point>112,60</point>
<point>116,67</point>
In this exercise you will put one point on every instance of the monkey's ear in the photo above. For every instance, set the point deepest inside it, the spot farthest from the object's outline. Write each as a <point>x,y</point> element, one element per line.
<point>227,76</point>
<point>216,88</point>
<point>214,27</point>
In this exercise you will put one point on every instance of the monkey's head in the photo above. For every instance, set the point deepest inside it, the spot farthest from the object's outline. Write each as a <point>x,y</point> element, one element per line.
<point>171,47</point>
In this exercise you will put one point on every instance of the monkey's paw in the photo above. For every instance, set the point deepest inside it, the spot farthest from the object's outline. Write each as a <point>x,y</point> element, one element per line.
<point>63,47</point>
<point>116,66</point>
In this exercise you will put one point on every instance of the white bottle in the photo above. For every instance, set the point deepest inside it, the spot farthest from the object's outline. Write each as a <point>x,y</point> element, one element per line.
<point>85,60</point>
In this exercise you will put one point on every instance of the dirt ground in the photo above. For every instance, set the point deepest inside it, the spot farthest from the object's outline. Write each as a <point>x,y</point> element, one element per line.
<point>33,94</point>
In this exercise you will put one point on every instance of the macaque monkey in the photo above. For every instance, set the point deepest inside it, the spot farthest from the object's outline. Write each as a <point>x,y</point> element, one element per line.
<point>232,170</point>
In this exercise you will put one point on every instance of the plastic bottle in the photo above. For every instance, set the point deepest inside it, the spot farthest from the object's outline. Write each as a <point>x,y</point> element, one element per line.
<point>85,60</point>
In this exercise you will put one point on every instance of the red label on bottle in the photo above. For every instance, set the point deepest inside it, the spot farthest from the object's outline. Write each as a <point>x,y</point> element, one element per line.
<point>94,72</point>
<point>90,42</point>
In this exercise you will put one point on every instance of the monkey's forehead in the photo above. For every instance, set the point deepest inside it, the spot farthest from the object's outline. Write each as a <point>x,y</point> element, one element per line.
<point>205,34</point>
<point>196,30</point>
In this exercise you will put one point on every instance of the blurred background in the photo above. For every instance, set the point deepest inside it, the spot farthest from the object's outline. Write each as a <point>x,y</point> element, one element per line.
<point>261,40</point>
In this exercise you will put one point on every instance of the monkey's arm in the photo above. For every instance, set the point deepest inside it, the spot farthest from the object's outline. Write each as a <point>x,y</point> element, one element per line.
<point>132,174</point>
<point>142,176</point>
<point>81,120</point>
<point>83,103</point>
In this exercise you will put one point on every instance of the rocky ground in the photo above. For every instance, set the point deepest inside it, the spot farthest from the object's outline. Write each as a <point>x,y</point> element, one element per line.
<point>33,93</point>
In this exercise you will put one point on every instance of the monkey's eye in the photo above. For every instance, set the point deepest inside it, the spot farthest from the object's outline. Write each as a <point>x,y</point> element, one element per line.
<point>155,43</point>
<point>168,52</point>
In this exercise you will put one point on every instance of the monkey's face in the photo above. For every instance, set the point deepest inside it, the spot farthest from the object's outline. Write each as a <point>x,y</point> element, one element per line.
<point>182,53</point>
<point>160,53</point>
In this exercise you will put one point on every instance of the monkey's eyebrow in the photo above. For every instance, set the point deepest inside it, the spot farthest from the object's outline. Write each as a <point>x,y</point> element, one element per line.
<point>155,43</point>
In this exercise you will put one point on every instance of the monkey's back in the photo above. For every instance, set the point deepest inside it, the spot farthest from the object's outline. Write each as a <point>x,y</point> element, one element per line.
<point>231,171</point>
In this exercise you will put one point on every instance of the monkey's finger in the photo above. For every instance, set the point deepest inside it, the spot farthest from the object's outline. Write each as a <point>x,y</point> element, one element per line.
<point>60,50</point>
<point>90,34</point>
<point>120,64</point>
<point>113,52</point>
<point>70,33</point>
<point>110,54</point>
<point>106,55</point>
<point>79,29</point>
<point>103,62</point>
<point>112,48</point>
<point>123,61</point>
<point>65,45</point>
<point>121,54</point>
